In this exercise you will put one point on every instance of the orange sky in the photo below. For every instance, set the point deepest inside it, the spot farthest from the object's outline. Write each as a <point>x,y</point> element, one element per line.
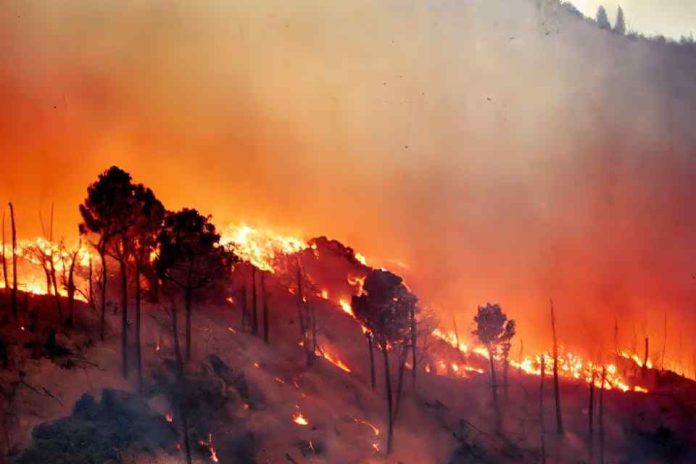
<point>501,163</point>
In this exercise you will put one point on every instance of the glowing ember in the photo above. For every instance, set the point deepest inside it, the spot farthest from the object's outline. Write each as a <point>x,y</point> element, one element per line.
<point>211,448</point>
<point>169,417</point>
<point>298,418</point>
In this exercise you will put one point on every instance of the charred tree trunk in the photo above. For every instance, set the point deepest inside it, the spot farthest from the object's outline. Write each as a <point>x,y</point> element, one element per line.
<point>644,368</point>
<point>90,286</point>
<point>414,339</point>
<point>71,289</point>
<point>390,402</point>
<point>370,348</point>
<point>181,380</point>
<point>590,406</point>
<point>265,307</point>
<point>102,321</point>
<point>506,368</point>
<point>187,304</point>
<point>13,296</point>
<point>56,295</point>
<point>254,310</point>
<point>4,255</point>
<point>557,393</point>
<point>542,428</point>
<point>494,388</point>
<point>124,318</point>
<point>400,380</point>
<point>302,315</point>
<point>601,418</point>
<point>313,317</point>
<point>138,347</point>
<point>245,306</point>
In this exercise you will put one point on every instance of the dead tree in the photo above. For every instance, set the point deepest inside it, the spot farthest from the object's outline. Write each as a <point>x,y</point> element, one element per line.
<point>254,298</point>
<point>559,417</point>
<point>601,417</point>
<point>13,295</point>
<point>644,369</point>
<point>590,414</point>
<point>4,256</point>
<point>542,428</point>
<point>414,340</point>
<point>264,296</point>
<point>69,261</point>
<point>405,351</point>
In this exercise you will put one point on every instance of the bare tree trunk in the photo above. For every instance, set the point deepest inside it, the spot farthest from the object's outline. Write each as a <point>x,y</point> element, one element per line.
<point>400,381</point>
<point>56,295</point>
<point>388,387</point>
<point>373,380</point>
<point>664,344</point>
<point>254,314</point>
<point>645,359</point>
<point>124,318</point>
<point>90,287</point>
<point>601,418</point>
<point>181,380</point>
<point>302,315</point>
<point>71,289</point>
<point>187,303</point>
<point>265,307</point>
<point>414,339</point>
<point>494,388</point>
<point>590,406</point>
<point>138,348</point>
<point>4,256</point>
<point>542,428</point>
<point>102,322</point>
<point>559,417</point>
<point>313,316</point>
<point>506,368</point>
<point>13,295</point>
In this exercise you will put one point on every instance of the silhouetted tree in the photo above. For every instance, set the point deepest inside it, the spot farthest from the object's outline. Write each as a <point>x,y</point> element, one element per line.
<point>494,330</point>
<point>556,387</point>
<point>620,24</point>
<point>69,263</point>
<point>603,19</point>
<point>191,257</point>
<point>384,308</point>
<point>102,211</point>
<point>13,296</point>
<point>4,256</point>
<point>148,217</point>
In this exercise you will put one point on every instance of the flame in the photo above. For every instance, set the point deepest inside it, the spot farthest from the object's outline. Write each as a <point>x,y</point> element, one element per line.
<point>335,361</point>
<point>260,248</point>
<point>570,365</point>
<point>346,307</point>
<point>298,418</point>
<point>211,448</point>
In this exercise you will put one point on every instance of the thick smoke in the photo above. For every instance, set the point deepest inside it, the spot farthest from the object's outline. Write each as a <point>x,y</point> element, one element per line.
<point>501,150</point>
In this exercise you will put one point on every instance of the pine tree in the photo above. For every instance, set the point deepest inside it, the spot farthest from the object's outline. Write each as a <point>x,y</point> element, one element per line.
<point>620,24</point>
<point>603,19</point>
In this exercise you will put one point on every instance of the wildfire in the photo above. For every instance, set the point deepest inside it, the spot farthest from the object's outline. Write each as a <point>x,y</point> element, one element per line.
<point>260,248</point>
<point>335,361</point>
<point>298,418</point>
<point>169,417</point>
<point>570,365</point>
<point>346,307</point>
<point>211,448</point>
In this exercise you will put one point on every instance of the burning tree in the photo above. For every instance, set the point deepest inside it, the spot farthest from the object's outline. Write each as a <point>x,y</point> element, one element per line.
<point>384,308</point>
<point>495,331</point>
<point>191,257</point>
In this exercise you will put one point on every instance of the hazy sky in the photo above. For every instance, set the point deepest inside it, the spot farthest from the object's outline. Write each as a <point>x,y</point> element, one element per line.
<point>671,18</point>
<point>505,153</point>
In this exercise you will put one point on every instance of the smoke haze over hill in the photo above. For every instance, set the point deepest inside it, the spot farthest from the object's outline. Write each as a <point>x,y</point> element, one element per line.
<point>503,152</point>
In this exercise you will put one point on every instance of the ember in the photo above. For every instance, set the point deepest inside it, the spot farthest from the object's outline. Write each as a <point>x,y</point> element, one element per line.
<point>298,418</point>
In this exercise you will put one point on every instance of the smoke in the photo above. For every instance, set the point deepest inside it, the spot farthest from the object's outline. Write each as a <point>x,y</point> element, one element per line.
<point>503,151</point>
